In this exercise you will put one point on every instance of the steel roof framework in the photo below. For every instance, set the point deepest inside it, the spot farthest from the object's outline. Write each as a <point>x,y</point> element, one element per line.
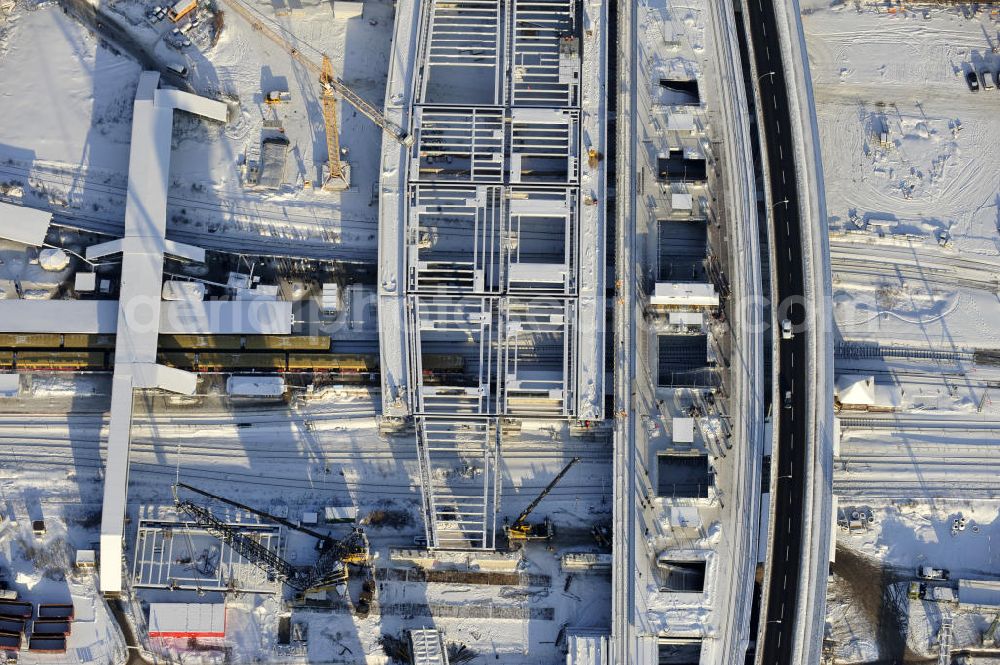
<point>490,238</point>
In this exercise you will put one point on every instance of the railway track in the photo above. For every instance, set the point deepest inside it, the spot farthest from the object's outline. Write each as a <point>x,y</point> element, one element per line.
<point>884,488</point>
<point>940,276</point>
<point>333,484</point>
<point>316,239</point>
<point>915,423</point>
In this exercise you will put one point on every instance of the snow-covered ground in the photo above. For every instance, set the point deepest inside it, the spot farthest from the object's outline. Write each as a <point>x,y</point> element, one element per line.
<point>911,171</point>
<point>68,139</point>
<point>913,195</point>
<point>323,451</point>
<point>867,603</point>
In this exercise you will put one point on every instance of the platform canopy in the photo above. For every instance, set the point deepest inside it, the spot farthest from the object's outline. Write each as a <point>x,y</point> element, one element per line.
<point>27,226</point>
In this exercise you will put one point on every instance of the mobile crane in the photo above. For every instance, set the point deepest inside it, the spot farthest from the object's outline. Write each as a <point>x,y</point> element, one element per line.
<point>521,530</point>
<point>330,570</point>
<point>338,172</point>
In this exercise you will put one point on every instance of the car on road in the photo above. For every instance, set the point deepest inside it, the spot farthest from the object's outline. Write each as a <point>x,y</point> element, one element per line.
<point>786,329</point>
<point>986,79</point>
<point>788,399</point>
<point>972,80</point>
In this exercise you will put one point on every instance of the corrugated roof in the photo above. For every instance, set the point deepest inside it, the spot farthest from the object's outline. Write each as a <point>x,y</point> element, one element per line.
<point>187,619</point>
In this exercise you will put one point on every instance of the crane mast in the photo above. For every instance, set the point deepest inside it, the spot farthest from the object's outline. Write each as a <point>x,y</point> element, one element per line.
<point>330,570</point>
<point>337,177</point>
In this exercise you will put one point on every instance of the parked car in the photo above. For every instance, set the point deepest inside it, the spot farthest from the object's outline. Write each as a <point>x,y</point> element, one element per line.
<point>972,81</point>
<point>986,79</point>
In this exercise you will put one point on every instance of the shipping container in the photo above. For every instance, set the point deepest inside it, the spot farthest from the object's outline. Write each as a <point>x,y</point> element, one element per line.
<point>10,641</point>
<point>11,625</point>
<point>20,609</point>
<point>47,643</point>
<point>51,627</point>
<point>56,611</point>
<point>440,362</point>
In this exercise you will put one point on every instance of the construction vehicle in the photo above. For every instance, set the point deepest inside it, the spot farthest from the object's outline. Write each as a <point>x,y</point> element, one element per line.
<point>990,635</point>
<point>521,530</point>
<point>338,172</point>
<point>330,570</point>
<point>933,593</point>
<point>931,573</point>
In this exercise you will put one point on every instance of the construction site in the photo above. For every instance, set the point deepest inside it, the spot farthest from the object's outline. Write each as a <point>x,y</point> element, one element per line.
<point>268,446</point>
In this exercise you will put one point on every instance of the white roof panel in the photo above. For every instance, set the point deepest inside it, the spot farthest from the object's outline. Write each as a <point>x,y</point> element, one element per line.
<point>255,386</point>
<point>24,225</point>
<point>683,430</point>
<point>58,316</point>
<point>226,317</point>
<point>10,385</point>
<point>184,101</point>
<point>980,593</point>
<point>187,619</point>
<point>694,294</point>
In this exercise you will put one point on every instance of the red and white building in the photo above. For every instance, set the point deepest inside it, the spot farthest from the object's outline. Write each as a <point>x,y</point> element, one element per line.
<point>187,620</point>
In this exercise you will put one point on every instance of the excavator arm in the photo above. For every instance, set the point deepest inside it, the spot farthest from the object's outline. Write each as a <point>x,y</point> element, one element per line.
<point>523,517</point>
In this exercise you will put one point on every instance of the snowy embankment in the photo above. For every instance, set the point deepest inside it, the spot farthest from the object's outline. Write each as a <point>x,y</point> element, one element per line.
<point>816,536</point>
<point>747,331</point>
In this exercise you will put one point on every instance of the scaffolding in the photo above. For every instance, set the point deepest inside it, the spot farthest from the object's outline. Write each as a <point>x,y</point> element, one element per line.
<point>481,246</point>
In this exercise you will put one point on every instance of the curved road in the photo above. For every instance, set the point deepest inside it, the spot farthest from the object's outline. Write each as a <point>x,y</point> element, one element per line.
<point>779,614</point>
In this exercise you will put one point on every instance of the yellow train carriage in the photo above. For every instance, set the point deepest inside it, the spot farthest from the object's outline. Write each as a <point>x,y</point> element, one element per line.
<point>442,362</point>
<point>31,340</point>
<point>61,360</point>
<point>217,361</point>
<point>286,343</point>
<point>198,342</point>
<point>178,359</point>
<point>7,359</point>
<point>332,362</point>
<point>87,341</point>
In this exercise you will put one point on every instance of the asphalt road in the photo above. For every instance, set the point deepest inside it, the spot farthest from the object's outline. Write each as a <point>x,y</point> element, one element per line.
<point>791,416</point>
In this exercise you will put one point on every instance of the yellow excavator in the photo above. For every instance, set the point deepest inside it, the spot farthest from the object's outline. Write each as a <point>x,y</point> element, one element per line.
<point>521,531</point>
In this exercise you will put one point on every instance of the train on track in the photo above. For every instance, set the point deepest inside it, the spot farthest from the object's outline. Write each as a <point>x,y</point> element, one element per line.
<point>203,353</point>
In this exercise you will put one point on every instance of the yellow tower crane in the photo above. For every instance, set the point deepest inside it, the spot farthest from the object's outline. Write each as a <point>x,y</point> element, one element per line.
<point>338,174</point>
